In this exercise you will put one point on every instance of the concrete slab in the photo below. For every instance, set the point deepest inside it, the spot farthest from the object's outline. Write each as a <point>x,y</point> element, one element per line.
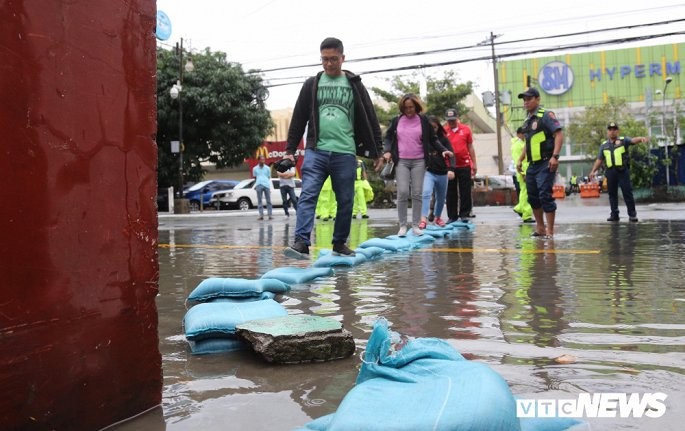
<point>297,339</point>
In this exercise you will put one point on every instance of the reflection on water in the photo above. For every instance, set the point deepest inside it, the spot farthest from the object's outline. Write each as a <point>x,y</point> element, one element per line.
<point>612,295</point>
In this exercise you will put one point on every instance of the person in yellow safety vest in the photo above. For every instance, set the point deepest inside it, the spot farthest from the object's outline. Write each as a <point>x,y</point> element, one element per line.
<point>359,193</point>
<point>574,183</point>
<point>543,144</point>
<point>615,154</point>
<point>522,208</point>
<point>327,205</point>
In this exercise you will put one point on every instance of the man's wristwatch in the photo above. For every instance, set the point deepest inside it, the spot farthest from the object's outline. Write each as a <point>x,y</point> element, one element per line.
<point>556,156</point>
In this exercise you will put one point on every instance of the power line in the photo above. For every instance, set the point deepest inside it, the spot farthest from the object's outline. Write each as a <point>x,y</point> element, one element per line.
<point>513,54</point>
<point>478,45</point>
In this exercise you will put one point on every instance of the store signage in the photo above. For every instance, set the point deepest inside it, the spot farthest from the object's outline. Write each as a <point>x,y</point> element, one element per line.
<point>637,71</point>
<point>556,77</point>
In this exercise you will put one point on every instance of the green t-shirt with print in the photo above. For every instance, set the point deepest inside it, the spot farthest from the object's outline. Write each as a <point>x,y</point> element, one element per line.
<point>336,114</point>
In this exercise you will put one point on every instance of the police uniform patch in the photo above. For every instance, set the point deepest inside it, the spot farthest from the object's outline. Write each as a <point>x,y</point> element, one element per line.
<point>534,126</point>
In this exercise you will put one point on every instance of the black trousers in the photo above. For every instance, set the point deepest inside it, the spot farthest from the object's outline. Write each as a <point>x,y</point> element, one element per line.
<point>620,178</point>
<point>459,203</point>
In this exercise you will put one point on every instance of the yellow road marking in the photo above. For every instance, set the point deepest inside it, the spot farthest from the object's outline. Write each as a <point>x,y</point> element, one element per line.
<point>509,250</point>
<point>433,250</point>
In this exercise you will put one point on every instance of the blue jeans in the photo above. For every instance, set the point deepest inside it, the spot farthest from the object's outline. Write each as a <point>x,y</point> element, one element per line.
<point>289,197</point>
<point>266,191</point>
<point>539,180</point>
<point>438,183</point>
<point>317,166</point>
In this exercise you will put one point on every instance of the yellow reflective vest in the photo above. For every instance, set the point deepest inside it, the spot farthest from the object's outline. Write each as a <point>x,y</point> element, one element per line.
<point>614,155</point>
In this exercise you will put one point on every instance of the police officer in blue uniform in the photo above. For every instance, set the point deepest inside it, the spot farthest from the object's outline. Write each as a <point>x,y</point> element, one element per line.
<point>615,154</point>
<point>543,138</point>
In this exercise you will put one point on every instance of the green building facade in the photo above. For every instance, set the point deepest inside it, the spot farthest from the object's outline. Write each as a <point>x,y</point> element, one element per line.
<point>570,82</point>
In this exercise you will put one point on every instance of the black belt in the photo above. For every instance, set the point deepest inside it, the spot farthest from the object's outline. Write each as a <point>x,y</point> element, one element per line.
<point>544,159</point>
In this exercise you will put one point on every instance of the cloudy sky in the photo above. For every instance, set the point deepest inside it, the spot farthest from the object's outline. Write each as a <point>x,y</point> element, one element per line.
<point>273,34</point>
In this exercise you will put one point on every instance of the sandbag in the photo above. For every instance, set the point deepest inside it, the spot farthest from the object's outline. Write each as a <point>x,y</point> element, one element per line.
<point>421,384</point>
<point>217,345</point>
<point>398,244</point>
<point>458,224</point>
<point>370,252</point>
<point>215,287</point>
<point>329,259</point>
<point>415,240</point>
<point>437,233</point>
<point>294,275</point>
<point>263,296</point>
<point>218,319</point>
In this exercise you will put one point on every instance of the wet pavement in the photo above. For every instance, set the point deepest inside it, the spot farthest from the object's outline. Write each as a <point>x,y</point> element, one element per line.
<point>609,294</point>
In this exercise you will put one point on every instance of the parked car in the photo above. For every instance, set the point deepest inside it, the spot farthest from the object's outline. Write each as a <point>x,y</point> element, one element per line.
<point>244,196</point>
<point>200,193</point>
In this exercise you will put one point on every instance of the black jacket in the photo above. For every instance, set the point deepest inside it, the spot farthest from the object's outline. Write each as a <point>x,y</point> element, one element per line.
<point>428,138</point>
<point>436,163</point>
<point>367,132</point>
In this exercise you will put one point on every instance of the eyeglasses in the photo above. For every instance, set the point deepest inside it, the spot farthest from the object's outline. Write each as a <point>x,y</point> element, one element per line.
<point>333,59</point>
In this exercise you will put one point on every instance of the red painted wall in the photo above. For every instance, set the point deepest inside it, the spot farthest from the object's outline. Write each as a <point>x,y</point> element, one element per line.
<point>78,250</point>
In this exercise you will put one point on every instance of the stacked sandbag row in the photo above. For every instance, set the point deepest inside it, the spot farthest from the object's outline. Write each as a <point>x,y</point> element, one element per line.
<point>223,303</point>
<point>226,305</point>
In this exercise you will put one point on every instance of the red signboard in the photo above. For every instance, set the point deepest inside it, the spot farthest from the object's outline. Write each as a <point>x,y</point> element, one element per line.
<point>274,151</point>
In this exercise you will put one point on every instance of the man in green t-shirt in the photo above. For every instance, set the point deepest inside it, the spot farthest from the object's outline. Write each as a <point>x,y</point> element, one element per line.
<point>336,110</point>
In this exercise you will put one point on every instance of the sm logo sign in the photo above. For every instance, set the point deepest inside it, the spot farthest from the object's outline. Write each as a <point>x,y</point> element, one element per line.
<point>555,77</point>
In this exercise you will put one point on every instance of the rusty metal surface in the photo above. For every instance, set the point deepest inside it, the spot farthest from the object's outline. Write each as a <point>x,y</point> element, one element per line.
<point>78,321</point>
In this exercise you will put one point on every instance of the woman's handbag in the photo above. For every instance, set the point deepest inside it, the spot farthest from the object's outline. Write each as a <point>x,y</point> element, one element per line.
<point>388,171</point>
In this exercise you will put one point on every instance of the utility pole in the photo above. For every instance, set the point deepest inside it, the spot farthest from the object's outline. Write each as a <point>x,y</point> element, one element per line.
<point>179,52</point>
<point>500,161</point>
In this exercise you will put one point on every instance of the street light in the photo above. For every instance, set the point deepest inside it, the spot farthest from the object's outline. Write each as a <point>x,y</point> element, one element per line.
<point>175,93</point>
<point>663,127</point>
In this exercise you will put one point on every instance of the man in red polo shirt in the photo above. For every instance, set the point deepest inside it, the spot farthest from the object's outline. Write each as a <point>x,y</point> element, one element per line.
<point>459,203</point>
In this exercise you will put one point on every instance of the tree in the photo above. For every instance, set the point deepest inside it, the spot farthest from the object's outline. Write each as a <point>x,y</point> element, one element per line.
<point>588,131</point>
<point>224,115</point>
<point>441,94</point>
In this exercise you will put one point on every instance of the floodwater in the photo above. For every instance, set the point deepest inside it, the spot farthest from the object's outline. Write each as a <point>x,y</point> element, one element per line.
<point>610,295</point>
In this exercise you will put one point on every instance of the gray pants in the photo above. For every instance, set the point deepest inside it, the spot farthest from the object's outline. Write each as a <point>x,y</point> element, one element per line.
<point>409,176</point>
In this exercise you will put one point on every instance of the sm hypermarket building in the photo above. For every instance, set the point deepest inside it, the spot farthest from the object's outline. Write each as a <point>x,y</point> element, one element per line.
<point>569,83</point>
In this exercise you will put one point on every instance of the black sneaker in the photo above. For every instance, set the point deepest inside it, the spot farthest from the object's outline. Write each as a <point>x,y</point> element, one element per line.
<point>365,216</point>
<point>341,249</point>
<point>299,250</point>
<point>613,218</point>
<point>633,219</point>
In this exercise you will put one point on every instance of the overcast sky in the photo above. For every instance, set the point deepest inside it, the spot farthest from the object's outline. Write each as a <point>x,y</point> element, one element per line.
<point>267,34</point>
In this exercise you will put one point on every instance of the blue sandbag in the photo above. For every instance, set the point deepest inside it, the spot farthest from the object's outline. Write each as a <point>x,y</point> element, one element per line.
<point>263,296</point>
<point>218,319</point>
<point>217,345</point>
<point>370,252</point>
<point>437,233</point>
<point>423,384</point>
<point>294,275</point>
<point>328,260</point>
<point>398,244</point>
<point>461,225</point>
<point>235,288</point>
<point>416,241</point>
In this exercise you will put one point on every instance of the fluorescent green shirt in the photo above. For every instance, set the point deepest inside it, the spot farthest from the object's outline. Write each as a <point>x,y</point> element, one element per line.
<point>336,114</point>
